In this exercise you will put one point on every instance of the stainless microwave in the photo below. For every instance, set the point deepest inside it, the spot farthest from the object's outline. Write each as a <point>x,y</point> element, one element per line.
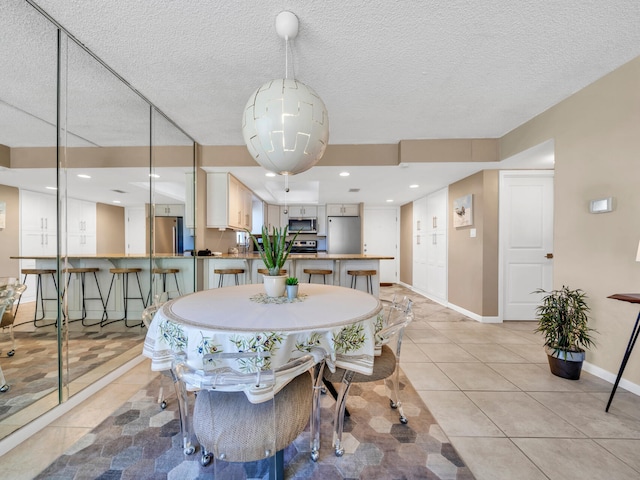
<point>302,225</point>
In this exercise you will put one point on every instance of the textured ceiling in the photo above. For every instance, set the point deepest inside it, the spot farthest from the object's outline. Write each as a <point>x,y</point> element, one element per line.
<point>386,70</point>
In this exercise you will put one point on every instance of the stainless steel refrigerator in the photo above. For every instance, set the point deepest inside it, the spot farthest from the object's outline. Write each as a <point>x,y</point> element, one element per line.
<point>167,236</point>
<point>343,235</point>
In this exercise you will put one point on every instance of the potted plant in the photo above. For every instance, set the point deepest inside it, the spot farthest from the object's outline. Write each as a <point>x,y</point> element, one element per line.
<point>562,319</point>
<point>274,253</point>
<point>292,287</point>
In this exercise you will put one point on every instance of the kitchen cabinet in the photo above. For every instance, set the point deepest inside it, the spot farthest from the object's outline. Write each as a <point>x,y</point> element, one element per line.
<point>81,227</point>
<point>420,245</point>
<point>322,221</point>
<point>273,217</point>
<point>343,210</point>
<point>229,202</point>
<point>303,211</point>
<point>430,245</point>
<point>38,217</point>
<point>169,210</point>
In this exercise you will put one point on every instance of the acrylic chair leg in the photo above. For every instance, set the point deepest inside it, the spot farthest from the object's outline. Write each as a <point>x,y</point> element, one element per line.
<point>338,418</point>
<point>315,411</point>
<point>183,409</point>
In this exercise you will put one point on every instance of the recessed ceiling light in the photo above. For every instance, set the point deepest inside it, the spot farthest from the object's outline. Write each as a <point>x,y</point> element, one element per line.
<point>389,200</point>
<point>415,185</point>
<point>52,188</point>
<point>116,201</point>
<point>154,175</point>
<point>269,174</point>
<point>83,175</point>
<point>344,174</point>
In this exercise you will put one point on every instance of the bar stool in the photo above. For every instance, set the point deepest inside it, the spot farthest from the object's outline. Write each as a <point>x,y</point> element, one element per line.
<point>39,296</point>
<point>227,271</point>
<point>315,271</point>
<point>362,273</point>
<point>124,272</point>
<point>164,272</point>
<point>82,272</point>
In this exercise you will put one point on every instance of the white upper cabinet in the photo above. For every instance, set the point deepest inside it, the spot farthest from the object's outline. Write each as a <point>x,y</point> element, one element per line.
<point>169,210</point>
<point>343,210</point>
<point>229,202</point>
<point>303,211</point>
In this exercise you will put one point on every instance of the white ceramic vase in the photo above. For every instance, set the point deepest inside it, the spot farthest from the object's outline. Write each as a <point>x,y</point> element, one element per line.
<point>274,285</point>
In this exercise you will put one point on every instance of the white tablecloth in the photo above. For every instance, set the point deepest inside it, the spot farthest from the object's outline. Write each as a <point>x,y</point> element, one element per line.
<point>340,320</point>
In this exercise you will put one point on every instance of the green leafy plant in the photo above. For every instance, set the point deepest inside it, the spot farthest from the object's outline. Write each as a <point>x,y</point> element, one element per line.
<point>292,281</point>
<point>563,318</point>
<point>273,251</point>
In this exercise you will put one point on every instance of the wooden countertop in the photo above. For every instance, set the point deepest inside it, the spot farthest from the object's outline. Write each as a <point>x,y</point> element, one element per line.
<point>244,256</point>
<point>308,256</point>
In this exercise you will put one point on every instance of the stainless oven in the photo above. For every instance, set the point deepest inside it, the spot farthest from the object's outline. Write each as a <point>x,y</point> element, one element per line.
<point>302,225</point>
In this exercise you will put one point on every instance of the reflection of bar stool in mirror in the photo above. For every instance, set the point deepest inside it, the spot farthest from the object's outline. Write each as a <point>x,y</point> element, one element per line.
<point>124,275</point>
<point>39,272</point>
<point>362,273</point>
<point>221,272</point>
<point>163,272</point>
<point>316,271</point>
<point>82,273</point>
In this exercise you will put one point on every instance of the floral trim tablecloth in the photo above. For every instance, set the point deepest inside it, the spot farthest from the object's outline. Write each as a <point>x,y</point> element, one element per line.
<point>342,321</point>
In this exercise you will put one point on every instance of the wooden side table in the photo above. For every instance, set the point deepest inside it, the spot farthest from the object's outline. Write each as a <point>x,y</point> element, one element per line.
<point>631,298</point>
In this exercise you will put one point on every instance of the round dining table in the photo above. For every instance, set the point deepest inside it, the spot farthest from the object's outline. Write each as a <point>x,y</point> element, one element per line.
<point>342,321</point>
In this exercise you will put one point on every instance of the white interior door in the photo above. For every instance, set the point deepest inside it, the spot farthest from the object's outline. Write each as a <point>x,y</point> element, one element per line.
<point>136,230</point>
<point>381,238</point>
<point>526,238</point>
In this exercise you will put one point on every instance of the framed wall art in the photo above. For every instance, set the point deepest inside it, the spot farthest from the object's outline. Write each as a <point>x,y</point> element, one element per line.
<point>463,211</point>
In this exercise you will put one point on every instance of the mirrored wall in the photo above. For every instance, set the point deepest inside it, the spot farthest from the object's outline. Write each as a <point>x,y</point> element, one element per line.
<point>98,189</point>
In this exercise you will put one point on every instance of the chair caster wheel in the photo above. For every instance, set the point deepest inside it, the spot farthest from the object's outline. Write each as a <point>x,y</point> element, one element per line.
<point>393,404</point>
<point>189,450</point>
<point>4,388</point>
<point>339,452</point>
<point>11,353</point>
<point>163,405</point>
<point>404,420</point>
<point>206,459</point>
<point>315,455</point>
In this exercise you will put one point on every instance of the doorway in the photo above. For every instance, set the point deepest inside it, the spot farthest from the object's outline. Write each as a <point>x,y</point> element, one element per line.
<point>526,241</point>
<point>381,234</point>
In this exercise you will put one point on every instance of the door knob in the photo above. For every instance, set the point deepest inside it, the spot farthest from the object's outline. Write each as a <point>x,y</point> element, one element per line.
<point>549,255</point>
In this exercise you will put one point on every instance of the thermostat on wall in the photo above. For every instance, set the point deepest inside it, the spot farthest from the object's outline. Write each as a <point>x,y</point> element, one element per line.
<point>601,205</point>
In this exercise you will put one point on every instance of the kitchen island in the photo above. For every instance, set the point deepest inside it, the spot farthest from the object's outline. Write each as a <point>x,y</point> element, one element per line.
<point>194,274</point>
<point>339,264</point>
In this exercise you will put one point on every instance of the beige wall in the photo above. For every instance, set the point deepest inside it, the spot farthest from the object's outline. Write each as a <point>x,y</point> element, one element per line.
<point>473,262</point>
<point>597,147</point>
<point>110,223</point>
<point>10,235</point>
<point>406,244</point>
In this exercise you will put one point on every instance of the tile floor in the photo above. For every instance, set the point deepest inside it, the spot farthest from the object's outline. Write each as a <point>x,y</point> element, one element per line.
<point>489,388</point>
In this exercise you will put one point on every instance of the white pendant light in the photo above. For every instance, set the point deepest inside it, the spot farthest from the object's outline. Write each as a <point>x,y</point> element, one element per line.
<point>285,123</point>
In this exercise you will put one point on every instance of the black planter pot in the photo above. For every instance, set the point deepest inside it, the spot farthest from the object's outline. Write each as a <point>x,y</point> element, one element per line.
<point>565,364</point>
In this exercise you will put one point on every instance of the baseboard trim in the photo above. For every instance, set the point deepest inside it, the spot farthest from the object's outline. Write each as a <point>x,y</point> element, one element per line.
<point>611,377</point>
<point>474,316</point>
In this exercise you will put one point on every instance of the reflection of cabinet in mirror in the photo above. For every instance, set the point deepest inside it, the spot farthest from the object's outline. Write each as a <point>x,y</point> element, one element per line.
<point>162,210</point>
<point>229,202</point>
<point>38,215</point>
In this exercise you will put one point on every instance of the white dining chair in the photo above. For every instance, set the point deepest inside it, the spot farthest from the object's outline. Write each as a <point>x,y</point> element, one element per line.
<point>396,316</point>
<point>232,426</point>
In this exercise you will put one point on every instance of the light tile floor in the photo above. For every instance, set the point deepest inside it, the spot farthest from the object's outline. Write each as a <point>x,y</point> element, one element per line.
<point>489,388</point>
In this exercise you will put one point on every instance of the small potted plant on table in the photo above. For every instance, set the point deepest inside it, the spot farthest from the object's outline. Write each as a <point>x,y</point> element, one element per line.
<point>562,319</point>
<point>274,253</point>
<point>292,287</point>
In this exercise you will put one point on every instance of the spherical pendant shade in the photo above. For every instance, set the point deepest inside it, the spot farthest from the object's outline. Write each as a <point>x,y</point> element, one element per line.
<point>286,126</point>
